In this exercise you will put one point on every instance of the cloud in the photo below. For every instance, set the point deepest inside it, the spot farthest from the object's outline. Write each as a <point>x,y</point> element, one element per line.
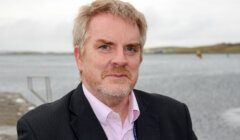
<point>43,25</point>
<point>190,23</point>
<point>26,34</point>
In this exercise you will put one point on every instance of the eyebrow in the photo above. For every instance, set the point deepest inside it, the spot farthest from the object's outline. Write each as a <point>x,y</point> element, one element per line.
<point>105,41</point>
<point>136,44</point>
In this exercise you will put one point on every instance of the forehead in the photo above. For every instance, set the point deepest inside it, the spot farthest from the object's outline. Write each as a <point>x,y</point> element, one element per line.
<point>113,27</point>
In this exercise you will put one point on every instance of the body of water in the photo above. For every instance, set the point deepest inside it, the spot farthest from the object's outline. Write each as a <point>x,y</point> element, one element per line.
<point>209,86</point>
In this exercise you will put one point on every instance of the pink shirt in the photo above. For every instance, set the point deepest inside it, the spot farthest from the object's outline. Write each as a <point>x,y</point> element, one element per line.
<point>111,121</point>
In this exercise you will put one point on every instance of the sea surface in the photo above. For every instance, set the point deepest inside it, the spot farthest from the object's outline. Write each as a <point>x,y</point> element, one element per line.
<point>209,86</point>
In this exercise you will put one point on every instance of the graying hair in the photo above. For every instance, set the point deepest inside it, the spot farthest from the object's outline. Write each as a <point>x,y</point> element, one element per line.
<point>115,7</point>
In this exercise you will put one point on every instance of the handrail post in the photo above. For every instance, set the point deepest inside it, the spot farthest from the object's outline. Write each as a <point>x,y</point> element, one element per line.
<point>48,90</point>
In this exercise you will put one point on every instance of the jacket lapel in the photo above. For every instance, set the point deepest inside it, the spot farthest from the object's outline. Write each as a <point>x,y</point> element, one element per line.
<point>147,124</point>
<point>85,124</point>
<point>82,118</point>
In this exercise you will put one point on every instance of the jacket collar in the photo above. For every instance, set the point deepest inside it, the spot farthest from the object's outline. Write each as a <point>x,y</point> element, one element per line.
<point>82,119</point>
<point>147,124</point>
<point>86,125</point>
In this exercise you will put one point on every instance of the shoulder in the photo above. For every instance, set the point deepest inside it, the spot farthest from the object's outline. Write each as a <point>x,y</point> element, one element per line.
<point>172,116</point>
<point>159,103</point>
<point>41,122</point>
<point>49,112</point>
<point>155,98</point>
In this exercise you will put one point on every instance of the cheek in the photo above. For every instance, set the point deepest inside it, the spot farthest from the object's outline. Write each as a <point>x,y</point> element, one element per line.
<point>135,64</point>
<point>134,69</point>
<point>94,64</point>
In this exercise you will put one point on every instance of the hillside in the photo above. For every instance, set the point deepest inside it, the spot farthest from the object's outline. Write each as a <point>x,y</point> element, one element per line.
<point>218,48</point>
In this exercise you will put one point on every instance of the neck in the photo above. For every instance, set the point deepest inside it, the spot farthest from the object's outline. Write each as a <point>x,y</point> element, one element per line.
<point>119,105</point>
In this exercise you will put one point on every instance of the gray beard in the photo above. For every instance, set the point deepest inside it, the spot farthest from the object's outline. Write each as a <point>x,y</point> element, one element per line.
<point>120,92</point>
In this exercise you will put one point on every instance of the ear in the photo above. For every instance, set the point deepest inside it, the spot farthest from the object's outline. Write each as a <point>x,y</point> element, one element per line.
<point>78,58</point>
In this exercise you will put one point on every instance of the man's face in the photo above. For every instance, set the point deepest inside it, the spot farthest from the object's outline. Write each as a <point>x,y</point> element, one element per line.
<point>111,56</point>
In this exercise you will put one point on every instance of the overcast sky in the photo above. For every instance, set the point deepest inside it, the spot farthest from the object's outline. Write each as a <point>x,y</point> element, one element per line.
<point>46,25</point>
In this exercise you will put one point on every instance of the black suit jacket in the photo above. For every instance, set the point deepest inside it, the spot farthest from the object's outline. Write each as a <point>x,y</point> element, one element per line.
<point>72,118</point>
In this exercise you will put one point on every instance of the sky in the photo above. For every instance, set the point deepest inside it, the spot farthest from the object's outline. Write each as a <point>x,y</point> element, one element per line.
<point>46,25</point>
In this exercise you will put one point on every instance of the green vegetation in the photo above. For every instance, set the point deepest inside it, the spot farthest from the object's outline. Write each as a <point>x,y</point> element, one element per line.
<point>218,48</point>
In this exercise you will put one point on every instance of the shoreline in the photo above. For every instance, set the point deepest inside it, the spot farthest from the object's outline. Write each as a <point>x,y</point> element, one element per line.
<point>12,107</point>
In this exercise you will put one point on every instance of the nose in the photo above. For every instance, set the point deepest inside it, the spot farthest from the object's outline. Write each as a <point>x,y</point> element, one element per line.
<point>119,58</point>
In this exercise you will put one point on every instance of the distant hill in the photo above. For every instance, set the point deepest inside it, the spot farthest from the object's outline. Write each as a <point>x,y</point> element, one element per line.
<point>218,48</point>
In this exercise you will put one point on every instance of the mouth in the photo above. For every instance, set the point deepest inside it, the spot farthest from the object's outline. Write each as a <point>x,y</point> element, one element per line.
<point>116,75</point>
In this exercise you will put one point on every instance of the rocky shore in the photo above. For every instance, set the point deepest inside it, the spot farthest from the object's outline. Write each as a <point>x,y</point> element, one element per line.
<point>12,107</point>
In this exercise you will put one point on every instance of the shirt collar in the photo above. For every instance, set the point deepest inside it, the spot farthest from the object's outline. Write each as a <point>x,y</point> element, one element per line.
<point>134,111</point>
<point>102,111</point>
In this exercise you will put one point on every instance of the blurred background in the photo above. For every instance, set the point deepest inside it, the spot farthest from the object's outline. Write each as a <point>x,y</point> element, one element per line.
<point>192,54</point>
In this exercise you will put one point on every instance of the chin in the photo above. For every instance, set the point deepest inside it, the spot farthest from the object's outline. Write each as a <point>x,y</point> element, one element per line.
<point>116,90</point>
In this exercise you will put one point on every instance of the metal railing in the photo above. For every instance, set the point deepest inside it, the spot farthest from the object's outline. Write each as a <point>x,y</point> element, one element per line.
<point>48,95</point>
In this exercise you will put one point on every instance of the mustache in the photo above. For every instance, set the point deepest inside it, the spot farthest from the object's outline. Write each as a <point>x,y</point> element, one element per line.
<point>117,71</point>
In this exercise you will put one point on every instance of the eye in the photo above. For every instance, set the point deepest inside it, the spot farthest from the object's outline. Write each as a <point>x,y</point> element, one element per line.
<point>104,47</point>
<point>132,49</point>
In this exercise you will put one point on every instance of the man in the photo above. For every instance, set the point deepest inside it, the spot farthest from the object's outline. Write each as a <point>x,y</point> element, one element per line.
<point>109,36</point>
